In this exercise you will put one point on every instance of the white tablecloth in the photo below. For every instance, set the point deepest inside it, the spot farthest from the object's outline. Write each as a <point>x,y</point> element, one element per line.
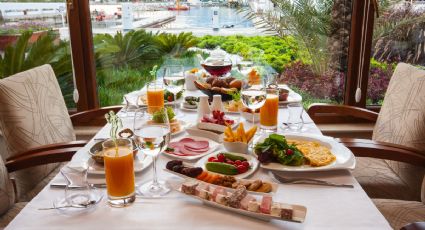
<point>327,207</point>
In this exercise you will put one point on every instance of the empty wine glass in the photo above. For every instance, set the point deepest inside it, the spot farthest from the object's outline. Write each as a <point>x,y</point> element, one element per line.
<point>174,80</point>
<point>152,137</point>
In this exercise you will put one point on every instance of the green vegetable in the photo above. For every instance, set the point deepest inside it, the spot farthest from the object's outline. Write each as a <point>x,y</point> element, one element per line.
<point>275,148</point>
<point>222,168</point>
<point>158,116</point>
<point>168,93</point>
<point>234,157</point>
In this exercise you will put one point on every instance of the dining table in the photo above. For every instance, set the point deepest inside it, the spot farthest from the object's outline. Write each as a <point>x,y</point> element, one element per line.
<point>327,207</point>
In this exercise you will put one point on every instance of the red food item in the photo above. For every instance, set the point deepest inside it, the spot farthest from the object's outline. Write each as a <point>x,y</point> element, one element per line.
<point>215,160</point>
<point>241,169</point>
<point>197,145</point>
<point>230,162</point>
<point>289,152</point>
<point>221,157</point>
<point>266,204</point>
<point>211,159</point>
<point>217,118</point>
<point>238,162</point>
<point>245,163</point>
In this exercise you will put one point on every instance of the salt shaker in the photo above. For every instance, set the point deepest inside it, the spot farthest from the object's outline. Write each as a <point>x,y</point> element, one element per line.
<point>203,106</point>
<point>217,104</point>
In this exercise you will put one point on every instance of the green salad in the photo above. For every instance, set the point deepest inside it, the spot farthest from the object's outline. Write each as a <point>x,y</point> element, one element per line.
<point>158,116</point>
<point>275,148</point>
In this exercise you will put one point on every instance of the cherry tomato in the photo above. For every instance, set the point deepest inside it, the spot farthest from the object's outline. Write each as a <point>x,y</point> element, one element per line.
<point>221,157</point>
<point>289,152</point>
<point>230,162</point>
<point>242,168</point>
<point>238,162</point>
<point>211,159</point>
<point>245,163</point>
<point>215,160</point>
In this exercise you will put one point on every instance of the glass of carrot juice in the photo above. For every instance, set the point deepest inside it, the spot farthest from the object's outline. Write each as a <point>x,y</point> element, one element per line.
<point>155,93</point>
<point>119,171</point>
<point>269,112</point>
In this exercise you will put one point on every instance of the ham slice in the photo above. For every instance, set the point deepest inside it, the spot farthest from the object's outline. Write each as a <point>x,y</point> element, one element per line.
<point>266,204</point>
<point>197,145</point>
<point>189,147</point>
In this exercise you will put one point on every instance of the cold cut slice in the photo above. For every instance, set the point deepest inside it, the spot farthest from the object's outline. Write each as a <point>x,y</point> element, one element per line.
<point>197,144</point>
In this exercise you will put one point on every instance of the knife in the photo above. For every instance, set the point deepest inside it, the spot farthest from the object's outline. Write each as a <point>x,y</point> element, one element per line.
<point>310,181</point>
<point>63,185</point>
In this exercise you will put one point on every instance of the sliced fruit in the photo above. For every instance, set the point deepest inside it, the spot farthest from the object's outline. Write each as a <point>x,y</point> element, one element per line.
<point>222,168</point>
<point>265,187</point>
<point>202,175</point>
<point>212,179</point>
<point>208,177</point>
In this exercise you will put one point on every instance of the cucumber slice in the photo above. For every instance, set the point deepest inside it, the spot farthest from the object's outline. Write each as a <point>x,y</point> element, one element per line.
<point>234,157</point>
<point>222,168</point>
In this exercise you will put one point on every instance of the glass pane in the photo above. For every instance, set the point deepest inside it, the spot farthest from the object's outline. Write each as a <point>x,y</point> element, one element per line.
<point>34,34</point>
<point>304,43</point>
<point>398,37</point>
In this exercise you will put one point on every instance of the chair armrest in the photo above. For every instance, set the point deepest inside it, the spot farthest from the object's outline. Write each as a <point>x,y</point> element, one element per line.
<point>328,113</point>
<point>93,117</point>
<point>382,150</point>
<point>44,155</point>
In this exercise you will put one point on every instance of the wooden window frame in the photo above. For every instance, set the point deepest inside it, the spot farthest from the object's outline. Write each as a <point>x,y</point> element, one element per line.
<point>81,39</point>
<point>85,70</point>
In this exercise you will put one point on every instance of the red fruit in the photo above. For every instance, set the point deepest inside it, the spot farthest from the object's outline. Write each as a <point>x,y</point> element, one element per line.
<point>245,163</point>
<point>230,162</point>
<point>289,152</point>
<point>242,169</point>
<point>215,160</point>
<point>238,162</point>
<point>221,157</point>
<point>170,98</point>
<point>211,159</point>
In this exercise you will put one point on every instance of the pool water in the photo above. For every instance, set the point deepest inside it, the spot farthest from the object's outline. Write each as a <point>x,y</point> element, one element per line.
<point>201,17</point>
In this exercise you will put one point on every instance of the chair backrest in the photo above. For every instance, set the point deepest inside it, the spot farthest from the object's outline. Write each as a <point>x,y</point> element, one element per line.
<point>7,195</point>
<point>402,119</point>
<point>32,113</point>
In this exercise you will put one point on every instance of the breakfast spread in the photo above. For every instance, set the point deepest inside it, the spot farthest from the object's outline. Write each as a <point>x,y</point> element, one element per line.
<point>276,148</point>
<point>238,199</point>
<point>198,173</point>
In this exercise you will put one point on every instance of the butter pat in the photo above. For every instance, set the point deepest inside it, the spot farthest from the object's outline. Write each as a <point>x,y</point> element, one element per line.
<point>275,210</point>
<point>253,206</point>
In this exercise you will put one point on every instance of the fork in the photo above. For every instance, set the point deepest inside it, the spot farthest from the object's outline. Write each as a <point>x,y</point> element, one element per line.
<point>82,205</point>
<point>300,180</point>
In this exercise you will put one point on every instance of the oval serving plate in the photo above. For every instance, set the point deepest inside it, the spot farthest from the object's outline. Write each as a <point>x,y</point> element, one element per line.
<point>253,162</point>
<point>344,157</point>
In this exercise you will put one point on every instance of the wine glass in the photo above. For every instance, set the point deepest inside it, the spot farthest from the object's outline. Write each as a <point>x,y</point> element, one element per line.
<point>253,94</point>
<point>174,80</point>
<point>152,135</point>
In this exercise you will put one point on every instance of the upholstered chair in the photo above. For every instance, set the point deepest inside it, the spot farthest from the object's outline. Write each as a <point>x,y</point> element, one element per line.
<point>33,114</point>
<point>392,164</point>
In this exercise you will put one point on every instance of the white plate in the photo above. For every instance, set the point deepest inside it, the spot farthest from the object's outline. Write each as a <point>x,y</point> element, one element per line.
<point>217,127</point>
<point>212,144</point>
<point>344,157</point>
<point>299,211</point>
<point>183,126</point>
<point>141,162</point>
<point>253,162</point>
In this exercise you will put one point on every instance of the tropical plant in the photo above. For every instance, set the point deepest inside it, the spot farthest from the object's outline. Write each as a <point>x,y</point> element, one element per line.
<point>175,45</point>
<point>133,49</point>
<point>307,20</point>
<point>46,50</point>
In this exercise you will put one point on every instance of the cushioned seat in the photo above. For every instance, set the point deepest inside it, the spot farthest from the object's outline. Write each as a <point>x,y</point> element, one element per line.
<point>9,215</point>
<point>380,181</point>
<point>399,212</point>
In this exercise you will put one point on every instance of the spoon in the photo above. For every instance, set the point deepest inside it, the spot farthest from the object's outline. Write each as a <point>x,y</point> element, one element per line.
<point>82,205</point>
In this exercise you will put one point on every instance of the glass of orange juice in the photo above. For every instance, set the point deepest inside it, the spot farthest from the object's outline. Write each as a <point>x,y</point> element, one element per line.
<point>269,112</point>
<point>119,171</point>
<point>155,94</point>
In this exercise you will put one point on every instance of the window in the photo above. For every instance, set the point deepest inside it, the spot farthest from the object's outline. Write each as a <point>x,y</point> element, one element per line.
<point>42,28</point>
<point>398,37</point>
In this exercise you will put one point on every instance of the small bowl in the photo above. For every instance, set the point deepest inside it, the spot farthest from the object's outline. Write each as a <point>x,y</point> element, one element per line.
<point>248,116</point>
<point>237,147</point>
<point>96,152</point>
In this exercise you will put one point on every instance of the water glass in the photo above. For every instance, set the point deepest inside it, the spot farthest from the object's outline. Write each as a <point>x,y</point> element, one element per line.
<point>295,120</point>
<point>76,176</point>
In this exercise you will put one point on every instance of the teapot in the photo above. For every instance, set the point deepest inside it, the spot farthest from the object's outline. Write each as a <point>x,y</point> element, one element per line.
<point>218,63</point>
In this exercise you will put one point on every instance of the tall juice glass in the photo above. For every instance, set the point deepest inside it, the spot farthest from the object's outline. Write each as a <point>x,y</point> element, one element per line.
<point>269,112</point>
<point>155,93</point>
<point>119,172</point>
